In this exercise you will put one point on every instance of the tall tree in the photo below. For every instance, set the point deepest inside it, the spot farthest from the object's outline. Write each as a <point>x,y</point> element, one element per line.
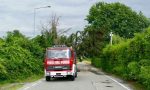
<point>106,17</point>
<point>51,35</point>
<point>116,17</point>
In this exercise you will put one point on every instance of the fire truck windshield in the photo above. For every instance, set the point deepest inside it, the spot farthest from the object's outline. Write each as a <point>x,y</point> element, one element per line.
<point>58,53</point>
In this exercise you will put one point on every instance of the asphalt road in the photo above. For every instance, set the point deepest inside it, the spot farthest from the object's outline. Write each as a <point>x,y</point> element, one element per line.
<point>88,79</point>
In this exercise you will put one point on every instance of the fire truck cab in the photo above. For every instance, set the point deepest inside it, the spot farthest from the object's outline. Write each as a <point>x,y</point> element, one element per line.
<point>60,61</point>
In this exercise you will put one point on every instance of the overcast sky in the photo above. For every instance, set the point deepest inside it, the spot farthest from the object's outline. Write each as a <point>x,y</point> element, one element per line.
<point>18,14</point>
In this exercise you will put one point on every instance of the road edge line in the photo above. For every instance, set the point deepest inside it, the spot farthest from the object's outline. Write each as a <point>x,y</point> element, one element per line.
<point>117,82</point>
<point>33,84</point>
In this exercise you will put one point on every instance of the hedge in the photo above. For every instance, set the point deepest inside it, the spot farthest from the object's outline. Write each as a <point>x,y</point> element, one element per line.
<point>130,59</point>
<point>20,57</point>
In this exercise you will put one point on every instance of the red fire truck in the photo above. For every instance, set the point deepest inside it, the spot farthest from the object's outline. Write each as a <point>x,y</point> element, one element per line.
<point>60,61</point>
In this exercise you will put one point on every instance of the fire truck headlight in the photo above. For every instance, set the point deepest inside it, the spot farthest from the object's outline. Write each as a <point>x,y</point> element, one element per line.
<point>47,73</point>
<point>69,73</point>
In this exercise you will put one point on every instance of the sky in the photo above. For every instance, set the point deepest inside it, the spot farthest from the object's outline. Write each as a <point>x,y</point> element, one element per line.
<point>19,14</point>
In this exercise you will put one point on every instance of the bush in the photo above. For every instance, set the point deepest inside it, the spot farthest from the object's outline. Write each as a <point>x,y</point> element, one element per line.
<point>134,70</point>
<point>129,59</point>
<point>96,62</point>
<point>144,75</point>
<point>20,57</point>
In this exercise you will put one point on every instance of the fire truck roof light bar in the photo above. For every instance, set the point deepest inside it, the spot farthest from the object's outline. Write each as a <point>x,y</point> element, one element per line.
<point>59,46</point>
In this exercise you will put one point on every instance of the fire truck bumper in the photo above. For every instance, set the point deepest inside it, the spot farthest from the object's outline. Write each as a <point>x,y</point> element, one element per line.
<point>59,73</point>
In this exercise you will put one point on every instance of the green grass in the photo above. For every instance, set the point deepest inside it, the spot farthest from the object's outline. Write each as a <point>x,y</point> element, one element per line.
<point>9,85</point>
<point>136,86</point>
<point>15,87</point>
<point>33,78</point>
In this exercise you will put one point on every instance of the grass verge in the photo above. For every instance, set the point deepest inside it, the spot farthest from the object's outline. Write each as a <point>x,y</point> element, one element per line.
<point>9,85</point>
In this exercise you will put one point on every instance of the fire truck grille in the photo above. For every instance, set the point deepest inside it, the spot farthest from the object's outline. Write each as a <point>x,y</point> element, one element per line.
<point>58,68</point>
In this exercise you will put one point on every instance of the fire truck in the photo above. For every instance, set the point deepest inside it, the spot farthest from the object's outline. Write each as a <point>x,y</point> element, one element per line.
<point>60,61</point>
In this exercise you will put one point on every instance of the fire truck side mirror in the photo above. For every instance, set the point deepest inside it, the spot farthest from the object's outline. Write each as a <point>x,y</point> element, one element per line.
<point>78,70</point>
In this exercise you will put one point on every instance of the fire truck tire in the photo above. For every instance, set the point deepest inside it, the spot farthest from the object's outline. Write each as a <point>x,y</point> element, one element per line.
<point>72,78</point>
<point>48,78</point>
<point>76,75</point>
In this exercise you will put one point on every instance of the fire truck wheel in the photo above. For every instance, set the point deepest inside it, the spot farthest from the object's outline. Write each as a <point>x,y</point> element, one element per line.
<point>76,75</point>
<point>72,78</point>
<point>48,78</point>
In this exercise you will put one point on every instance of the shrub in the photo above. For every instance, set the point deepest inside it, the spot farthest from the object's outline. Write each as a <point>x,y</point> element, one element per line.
<point>20,57</point>
<point>144,76</point>
<point>129,59</point>
<point>133,68</point>
<point>96,62</point>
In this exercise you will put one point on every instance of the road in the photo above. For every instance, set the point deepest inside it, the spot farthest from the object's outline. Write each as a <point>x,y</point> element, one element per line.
<point>88,79</point>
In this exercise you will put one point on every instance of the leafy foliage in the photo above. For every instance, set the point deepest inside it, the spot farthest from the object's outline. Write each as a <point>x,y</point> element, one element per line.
<point>20,57</point>
<point>130,59</point>
<point>116,17</point>
<point>106,17</point>
<point>96,62</point>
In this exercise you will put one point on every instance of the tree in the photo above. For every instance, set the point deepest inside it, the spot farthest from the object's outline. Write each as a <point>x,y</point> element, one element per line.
<point>106,17</point>
<point>49,32</point>
<point>116,17</point>
<point>51,35</point>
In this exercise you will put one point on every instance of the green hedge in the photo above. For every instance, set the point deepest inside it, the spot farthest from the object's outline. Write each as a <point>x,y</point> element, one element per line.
<point>130,59</point>
<point>20,57</point>
<point>96,62</point>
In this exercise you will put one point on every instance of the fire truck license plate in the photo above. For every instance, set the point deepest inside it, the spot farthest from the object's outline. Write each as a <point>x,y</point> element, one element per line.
<point>58,73</point>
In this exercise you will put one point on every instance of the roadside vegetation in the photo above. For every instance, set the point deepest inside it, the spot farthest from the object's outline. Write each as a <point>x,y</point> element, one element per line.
<point>20,57</point>
<point>128,56</point>
<point>129,59</point>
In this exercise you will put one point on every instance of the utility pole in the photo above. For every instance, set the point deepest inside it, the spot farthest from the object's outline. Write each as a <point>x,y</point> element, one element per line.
<point>35,15</point>
<point>111,35</point>
<point>76,40</point>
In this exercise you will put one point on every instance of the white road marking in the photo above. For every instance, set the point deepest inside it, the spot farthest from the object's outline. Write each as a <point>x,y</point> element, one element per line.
<point>117,82</point>
<point>26,88</point>
<point>94,84</point>
<point>34,84</point>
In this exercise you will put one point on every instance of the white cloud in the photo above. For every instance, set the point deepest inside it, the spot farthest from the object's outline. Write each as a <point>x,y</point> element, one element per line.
<point>137,5</point>
<point>18,14</point>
